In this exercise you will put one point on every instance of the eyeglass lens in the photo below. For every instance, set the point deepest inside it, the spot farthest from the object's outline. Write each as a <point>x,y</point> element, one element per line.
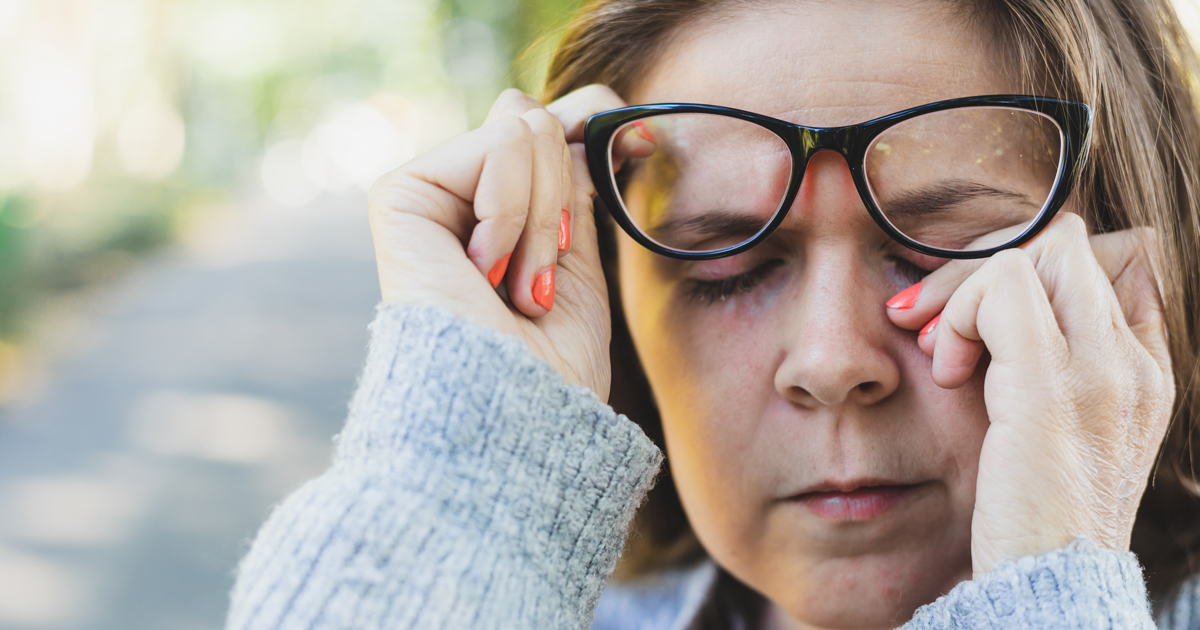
<point>964,179</point>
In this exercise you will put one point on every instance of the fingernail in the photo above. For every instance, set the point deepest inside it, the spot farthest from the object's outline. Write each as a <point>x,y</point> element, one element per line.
<point>644,131</point>
<point>906,298</point>
<point>930,326</point>
<point>564,231</point>
<point>543,288</point>
<point>498,269</point>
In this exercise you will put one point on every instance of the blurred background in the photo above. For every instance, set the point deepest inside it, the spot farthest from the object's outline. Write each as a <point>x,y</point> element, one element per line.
<point>186,270</point>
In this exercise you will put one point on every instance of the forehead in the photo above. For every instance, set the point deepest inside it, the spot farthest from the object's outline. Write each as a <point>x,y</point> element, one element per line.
<point>825,63</point>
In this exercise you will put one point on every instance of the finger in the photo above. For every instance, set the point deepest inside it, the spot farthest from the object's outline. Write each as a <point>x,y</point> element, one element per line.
<point>583,224</point>
<point>635,140</point>
<point>575,108</point>
<point>1070,279</point>
<point>511,102</point>
<point>915,306</point>
<point>475,185</point>
<point>502,205</point>
<point>531,272</point>
<point>1128,258</point>
<point>1078,289</point>
<point>955,357</point>
<point>579,271</point>
<point>568,201</point>
<point>1005,306</point>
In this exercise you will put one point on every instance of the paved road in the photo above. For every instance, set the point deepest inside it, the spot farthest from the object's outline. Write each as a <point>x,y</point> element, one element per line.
<point>213,379</point>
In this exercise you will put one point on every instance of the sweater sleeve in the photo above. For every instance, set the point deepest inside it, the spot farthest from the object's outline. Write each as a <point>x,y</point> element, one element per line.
<point>471,488</point>
<point>1081,586</point>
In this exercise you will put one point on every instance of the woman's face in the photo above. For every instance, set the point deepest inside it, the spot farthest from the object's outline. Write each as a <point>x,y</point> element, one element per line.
<point>795,380</point>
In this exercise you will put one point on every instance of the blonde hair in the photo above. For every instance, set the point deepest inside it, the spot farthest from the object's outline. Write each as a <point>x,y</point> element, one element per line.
<point>1132,61</point>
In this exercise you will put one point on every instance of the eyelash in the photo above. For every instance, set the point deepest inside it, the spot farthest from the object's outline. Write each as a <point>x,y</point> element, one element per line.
<point>913,272</point>
<point>713,291</point>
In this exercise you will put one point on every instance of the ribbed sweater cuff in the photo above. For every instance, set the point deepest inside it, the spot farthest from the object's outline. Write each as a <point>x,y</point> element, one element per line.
<point>471,417</point>
<point>471,487</point>
<point>1080,586</point>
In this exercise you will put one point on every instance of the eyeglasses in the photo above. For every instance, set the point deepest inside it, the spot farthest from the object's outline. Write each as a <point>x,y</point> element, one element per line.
<point>963,178</point>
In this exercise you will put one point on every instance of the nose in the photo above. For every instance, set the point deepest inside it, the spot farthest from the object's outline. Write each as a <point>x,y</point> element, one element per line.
<point>836,339</point>
<point>835,355</point>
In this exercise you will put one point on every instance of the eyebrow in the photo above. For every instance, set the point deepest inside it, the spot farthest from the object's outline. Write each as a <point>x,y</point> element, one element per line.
<point>942,197</point>
<point>713,223</point>
<point>917,203</point>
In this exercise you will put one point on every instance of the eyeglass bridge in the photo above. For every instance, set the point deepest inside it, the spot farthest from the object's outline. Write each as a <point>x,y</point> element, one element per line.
<point>814,139</point>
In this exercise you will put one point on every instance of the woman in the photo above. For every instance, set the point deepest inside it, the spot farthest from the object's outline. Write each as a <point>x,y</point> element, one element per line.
<point>859,434</point>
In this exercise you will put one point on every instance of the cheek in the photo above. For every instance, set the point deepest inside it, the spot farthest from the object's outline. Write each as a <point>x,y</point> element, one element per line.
<point>955,424</point>
<point>709,364</point>
<point>711,368</point>
<point>732,344</point>
<point>713,380</point>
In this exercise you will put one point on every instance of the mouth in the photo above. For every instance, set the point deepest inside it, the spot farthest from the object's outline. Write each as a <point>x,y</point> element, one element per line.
<point>855,501</point>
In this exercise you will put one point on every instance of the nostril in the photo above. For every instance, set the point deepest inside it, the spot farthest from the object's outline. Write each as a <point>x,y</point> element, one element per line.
<point>869,387</point>
<point>801,396</point>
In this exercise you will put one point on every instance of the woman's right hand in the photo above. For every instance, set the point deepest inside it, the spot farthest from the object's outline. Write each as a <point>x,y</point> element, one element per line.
<point>483,211</point>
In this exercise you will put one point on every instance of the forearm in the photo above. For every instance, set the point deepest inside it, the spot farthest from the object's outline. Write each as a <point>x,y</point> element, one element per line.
<point>470,488</point>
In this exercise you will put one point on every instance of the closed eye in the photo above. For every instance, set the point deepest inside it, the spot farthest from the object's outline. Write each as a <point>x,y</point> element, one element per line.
<point>720,290</point>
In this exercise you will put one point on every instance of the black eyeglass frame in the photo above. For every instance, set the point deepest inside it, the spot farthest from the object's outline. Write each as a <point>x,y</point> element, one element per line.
<point>852,141</point>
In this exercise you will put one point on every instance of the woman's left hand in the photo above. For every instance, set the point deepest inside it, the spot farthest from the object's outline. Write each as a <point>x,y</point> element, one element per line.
<point>1079,389</point>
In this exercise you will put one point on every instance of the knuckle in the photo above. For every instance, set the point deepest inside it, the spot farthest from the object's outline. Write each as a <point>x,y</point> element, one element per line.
<point>1065,225</point>
<point>510,101</point>
<point>1014,270</point>
<point>512,129</point>
<point>1070,222</point>
<point>511,96</point>
<point>394,205</point>
<point>1156,382</point>
<point>1069,234</point>
<point>599,92</point>
<point>512,221</point>
<point>385,191</point>
<point>1011,261</point>
<point>545,124</point>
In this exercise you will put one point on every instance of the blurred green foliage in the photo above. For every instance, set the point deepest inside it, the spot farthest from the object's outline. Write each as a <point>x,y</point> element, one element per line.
<point>239,77</point>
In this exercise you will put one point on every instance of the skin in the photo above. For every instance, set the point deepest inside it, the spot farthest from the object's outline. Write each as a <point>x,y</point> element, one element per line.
<point>806,379</point>
<point>1029,415</point>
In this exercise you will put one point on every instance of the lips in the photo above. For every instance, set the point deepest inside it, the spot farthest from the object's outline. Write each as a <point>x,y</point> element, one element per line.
<point>854,501</point>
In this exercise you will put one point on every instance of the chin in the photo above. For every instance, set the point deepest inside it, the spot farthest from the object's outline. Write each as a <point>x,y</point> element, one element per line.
<point>872,590</point>
<point>875,592</point>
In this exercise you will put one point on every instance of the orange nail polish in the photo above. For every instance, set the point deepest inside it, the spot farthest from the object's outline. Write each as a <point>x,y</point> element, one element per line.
<point>930,326</point>
<point>564,231</point>
<point>543,288</point>
<point>644,131</point>
<point>906,298</point>
<point>498,269</point>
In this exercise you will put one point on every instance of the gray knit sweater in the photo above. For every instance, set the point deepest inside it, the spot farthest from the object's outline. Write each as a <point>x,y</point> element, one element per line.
<point>473,488</point>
